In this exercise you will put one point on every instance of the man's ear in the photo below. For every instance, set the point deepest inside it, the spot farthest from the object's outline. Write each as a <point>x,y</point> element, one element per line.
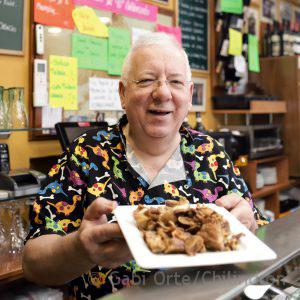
<point>122,94</point>
<point>191,89</point>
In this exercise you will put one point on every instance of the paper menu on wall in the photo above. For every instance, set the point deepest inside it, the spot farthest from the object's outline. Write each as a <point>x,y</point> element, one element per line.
<point>53,13</point>
<point>253,53</point>
<point>235,42</point>
<point>136,32</point>
<point>91,52</point>
<point>232,6</point>
<point>118,47</point>
<point>87,22</point>
<point>103,94</point>
<point>63,82</point>
<point>174,31</point>
<point>51,116</point>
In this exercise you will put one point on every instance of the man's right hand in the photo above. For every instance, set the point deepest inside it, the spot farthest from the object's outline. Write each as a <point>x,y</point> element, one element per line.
<point>102,243</point>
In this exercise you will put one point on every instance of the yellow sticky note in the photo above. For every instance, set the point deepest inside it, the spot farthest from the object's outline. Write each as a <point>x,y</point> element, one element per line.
<point>63,82</point>
<point>235,42</point>
<point>87,22</point>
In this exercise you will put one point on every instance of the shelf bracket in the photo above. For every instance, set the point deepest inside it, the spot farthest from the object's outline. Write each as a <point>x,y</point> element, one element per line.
<point>226,119</point>
<point>248,119</point>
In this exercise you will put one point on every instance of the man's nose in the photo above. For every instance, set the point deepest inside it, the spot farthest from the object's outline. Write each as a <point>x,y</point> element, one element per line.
<point>162,91</point>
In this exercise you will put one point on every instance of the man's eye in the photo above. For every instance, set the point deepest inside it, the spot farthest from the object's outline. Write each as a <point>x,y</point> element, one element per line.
<point>176,82</point>
<point>145,82</point>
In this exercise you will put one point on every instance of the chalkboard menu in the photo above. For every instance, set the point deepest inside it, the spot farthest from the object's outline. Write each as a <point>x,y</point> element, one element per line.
<point>193,20</point>
<point>11,26</point>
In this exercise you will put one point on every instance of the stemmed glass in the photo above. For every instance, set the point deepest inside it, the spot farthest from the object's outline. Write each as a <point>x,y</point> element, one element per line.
<point>17,230</point>
<point>4,241</point>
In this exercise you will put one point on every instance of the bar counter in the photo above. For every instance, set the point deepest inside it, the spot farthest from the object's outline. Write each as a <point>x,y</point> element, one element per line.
<point>220,282</point>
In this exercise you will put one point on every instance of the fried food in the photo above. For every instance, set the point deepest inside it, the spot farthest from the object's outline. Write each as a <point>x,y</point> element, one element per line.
<point>178,228</point>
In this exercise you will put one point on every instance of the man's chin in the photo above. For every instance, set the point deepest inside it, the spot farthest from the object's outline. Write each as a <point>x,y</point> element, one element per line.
<point>158,132</point>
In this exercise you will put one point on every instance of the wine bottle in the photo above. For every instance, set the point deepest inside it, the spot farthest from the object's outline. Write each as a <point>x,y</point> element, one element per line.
<point>280,33</point>
<point>185,122</point>
<point>275,40</point>
<point>266,41</point>
<point>199,126</point>
<point>286,38</point>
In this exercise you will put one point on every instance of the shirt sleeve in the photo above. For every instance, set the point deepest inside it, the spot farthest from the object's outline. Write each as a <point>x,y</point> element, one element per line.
<point>230,177</point>
<point>58,207</point>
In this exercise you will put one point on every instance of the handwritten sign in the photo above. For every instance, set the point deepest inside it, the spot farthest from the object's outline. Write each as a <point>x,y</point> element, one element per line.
<point>130,8</point>
<point>103,94</point>
<point>193,20</point>
<point>118,47</point>
<point>63,82</point>
<point>253,53</point>
<point>235,42</point>
<point>91,52</point>
<point>87,22</point>
<point>174,31</point>
<point>232,6</point>
<point>54,13</point>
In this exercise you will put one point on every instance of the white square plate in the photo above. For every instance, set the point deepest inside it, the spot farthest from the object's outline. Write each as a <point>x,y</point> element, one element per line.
<point>250,249</point>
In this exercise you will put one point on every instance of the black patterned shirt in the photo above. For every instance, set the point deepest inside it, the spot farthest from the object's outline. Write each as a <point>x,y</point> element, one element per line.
<point>96,165</point>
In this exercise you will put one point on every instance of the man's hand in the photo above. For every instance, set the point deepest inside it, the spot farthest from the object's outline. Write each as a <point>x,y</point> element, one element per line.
<point>240,208</point>
<point>102,243</point>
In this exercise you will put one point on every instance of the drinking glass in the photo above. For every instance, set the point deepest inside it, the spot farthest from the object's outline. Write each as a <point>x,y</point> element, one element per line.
<point>17,108</point>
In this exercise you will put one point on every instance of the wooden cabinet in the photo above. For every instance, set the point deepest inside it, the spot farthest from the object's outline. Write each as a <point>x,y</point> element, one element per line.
<point>280,77</point>
<point>269,192</point>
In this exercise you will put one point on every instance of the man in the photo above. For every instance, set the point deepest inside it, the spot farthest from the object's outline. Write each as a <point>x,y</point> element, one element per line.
<point>146,158</point>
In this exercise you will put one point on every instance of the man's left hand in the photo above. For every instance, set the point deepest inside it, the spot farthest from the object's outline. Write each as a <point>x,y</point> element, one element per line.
<point>240,208</point>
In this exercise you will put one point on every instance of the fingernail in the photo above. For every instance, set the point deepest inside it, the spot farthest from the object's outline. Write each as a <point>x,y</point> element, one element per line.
<point>113,204</point>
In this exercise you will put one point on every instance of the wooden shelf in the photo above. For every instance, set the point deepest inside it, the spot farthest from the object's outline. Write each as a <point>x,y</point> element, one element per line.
<point>257,107</point>
<point>270,189</point>
<point>10,267</point>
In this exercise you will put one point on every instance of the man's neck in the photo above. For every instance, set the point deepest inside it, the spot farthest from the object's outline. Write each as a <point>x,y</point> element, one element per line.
<point>150,146</point>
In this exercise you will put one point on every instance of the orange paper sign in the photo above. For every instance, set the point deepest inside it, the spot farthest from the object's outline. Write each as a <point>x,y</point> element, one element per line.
<point>56,13</point>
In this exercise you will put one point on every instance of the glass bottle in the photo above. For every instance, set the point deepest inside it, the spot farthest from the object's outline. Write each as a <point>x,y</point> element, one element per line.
<point>275,38</point>
<point>6,108</point>
<point>199,125</point>
<point>2,111</point>
<point>17,108</point>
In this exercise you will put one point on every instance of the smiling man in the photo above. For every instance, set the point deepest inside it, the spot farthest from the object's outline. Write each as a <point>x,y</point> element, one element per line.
<point>147,158</point>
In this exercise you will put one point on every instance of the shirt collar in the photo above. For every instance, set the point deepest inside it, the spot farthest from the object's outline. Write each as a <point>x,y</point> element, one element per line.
<point>184,131</point>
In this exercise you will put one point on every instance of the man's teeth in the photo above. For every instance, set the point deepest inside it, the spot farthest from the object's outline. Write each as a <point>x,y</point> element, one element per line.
<point>159,112</point>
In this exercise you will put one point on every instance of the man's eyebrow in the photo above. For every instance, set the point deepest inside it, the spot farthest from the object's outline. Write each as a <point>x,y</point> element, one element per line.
<point>176,74</point>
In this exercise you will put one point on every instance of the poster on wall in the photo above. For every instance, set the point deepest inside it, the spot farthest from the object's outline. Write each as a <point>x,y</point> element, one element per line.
<point>268,11</point>
<point>252,21</point>
<point>286,11</point>
<point>297,16</point>
<point>56,13</point>
<point>12,24</point>
<point>199,95</point>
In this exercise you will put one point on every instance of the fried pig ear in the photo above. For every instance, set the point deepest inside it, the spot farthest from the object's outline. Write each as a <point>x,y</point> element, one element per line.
<point>178,228</point>
<point>140,217</point>
<point>194,244</point>
<point>212,236</point>
<point>154,241</point>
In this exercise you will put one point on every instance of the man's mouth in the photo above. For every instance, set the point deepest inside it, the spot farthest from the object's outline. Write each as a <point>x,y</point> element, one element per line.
<point>159,112</point>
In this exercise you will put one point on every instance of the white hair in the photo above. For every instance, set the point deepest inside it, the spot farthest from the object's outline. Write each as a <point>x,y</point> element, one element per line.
<point>160,39</point>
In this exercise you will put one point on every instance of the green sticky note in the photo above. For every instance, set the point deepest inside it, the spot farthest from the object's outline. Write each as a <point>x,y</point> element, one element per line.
<point>235,42</point>
<point>91,52</point>
<point>118,47</point>
<point>253,54</point>
<point>232,6</point>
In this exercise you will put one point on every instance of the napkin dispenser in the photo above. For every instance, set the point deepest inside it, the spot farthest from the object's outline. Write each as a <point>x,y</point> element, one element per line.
<point>24,182</point>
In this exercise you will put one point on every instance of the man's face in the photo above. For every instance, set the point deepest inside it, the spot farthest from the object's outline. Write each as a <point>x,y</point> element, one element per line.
<point>153,107</point>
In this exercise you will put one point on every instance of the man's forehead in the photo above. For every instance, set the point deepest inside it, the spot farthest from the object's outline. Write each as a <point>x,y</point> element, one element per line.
<point>157,50</point>
<point>153,56</point>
